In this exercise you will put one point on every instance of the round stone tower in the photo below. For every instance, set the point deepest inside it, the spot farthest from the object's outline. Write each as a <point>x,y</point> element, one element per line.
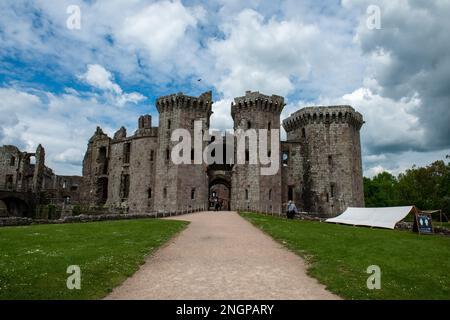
<point>331,149</point>
<point>250,189</point>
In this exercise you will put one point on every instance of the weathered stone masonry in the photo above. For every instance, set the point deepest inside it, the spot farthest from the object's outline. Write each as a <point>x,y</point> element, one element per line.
<point>320,163</point>
<point>26,184</point>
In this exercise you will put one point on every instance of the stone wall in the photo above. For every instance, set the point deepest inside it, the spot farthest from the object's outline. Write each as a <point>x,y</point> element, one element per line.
<point>320,163</point>
<point>94,188</point>
<point>251,190</point>
<point>25,183</point>
<point>331,147</point>
<point>139,165</point>
<point>176,183</point>
<point>292,174</point>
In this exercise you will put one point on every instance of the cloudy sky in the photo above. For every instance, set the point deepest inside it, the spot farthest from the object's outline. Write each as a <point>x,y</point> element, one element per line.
<point>58,83</point>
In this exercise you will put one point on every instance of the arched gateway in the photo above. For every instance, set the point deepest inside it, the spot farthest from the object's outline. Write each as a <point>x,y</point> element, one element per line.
<point>219,186</point>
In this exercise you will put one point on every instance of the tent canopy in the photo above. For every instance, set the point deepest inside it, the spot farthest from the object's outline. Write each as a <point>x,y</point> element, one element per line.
<point>373,217</point>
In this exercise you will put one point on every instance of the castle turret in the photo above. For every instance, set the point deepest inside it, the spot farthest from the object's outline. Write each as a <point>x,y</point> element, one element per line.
<point>251,190</point>
<point>185,186</point>
<point>331,152</point>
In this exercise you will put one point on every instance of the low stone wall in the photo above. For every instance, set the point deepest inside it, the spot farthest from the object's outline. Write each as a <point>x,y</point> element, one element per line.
<point>18,221</point>
<point>299,216</point>
<point>15,221</point>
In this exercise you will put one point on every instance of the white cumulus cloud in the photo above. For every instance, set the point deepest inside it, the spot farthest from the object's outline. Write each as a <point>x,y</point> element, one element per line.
<point>100,78</point>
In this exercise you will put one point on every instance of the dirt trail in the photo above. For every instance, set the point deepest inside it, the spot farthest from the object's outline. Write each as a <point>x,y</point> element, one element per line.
<point>221,256</point>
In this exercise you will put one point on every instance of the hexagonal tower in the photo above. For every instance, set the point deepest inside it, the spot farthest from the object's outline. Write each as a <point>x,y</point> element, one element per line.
<point>331,149</point>
<point>250,190</point>
<point>185,186</point>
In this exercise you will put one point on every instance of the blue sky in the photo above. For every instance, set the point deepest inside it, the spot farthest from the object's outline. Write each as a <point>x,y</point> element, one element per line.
<point>58,84</point>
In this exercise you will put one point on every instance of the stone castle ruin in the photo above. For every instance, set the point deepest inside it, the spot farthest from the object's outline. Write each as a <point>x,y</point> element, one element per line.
<point>26,182</point>
<point>320,167</point>
<point>320,164</point>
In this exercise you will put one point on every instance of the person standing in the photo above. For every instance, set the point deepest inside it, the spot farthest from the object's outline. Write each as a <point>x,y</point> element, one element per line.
<point>291,210</point>
<point>216,203</point>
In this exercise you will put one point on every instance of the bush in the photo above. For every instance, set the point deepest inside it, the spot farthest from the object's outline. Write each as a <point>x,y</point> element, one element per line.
<point>76,211</point>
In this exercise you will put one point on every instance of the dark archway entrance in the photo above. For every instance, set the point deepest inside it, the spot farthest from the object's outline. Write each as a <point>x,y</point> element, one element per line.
<point>3,209</point>
<point>220,189</point>
<point>16,207</point>
<point>219,176</point>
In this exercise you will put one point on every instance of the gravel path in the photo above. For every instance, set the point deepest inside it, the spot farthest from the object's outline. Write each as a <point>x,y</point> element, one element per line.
<point>221,256</point>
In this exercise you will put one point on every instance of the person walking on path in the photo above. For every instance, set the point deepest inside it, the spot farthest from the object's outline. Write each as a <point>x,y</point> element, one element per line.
<point>216,203</point>
<point>291,210</point>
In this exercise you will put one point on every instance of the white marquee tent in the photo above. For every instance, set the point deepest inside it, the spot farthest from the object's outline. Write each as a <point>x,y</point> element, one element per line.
<point>373,217</point>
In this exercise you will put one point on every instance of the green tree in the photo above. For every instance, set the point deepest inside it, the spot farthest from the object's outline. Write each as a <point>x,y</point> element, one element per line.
<point>381,190</point>
<point>427,188</point>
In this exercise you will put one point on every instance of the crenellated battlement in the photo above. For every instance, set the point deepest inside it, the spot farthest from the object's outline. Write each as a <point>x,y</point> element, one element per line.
<point>323,114</point>
<point>257,101</point>
<point>180,100</point>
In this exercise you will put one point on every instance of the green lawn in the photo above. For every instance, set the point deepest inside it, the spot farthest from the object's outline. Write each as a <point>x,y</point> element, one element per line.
<point>412,266</point>
<point>34,259</point>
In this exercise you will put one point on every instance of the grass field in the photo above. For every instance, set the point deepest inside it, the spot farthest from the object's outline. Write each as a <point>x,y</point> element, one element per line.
<point>412,266</point>
<point>34,259</point>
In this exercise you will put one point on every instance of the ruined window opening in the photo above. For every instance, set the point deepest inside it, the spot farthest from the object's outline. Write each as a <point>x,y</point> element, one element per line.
<point>270,195</point>
<point>285,158</point>
<point>330,161</point>
<point>193,194</point>
<point>303,133</point>
<point>126,152</point>
<point>102,160</point>
<point>165,193</point>
<point>64,184</point>
<point>269,153</point>
<point>332,190</point>
<point>328,197</point>
<point>103,189</point>
<point>149,193</point>
<point>192,155</point>
<point>125,186</point>
<point>246,194</point>
<point>9,181</point>
<point>73,188</point>
<point>249,125</point>
<point>247,156</point>
<point>169,124</point>
<point>290,193</point>
<point>152,155</point>
<point>269,126</point>
<point>12,162</point>
<point>167,154</point>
